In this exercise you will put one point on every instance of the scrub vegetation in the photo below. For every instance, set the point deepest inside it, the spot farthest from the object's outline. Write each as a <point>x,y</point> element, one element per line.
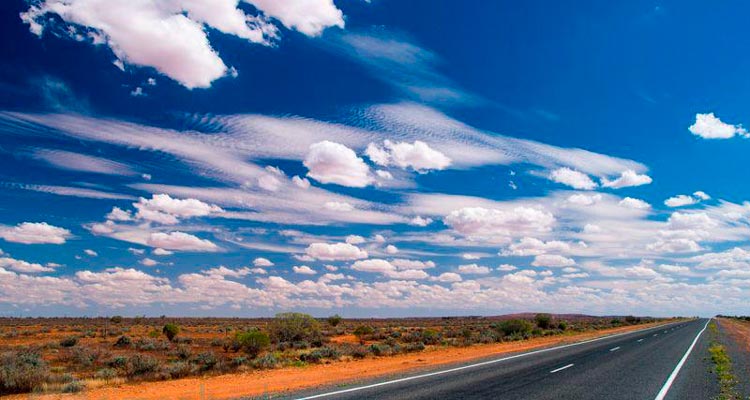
<point>69,355</point>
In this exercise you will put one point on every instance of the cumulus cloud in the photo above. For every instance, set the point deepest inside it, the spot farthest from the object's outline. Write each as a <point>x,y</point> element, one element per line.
<point>303,270</point>
<point>419,221</point>
<point>335,251</point>
<point>627,179</point>
<point>391,249</point>
<point>552,260</point>
<point>180,241</point>
<point>90,253</point>
<point>330,162</point>
<point>355,239</point>
<point>708,126</point>
<point>529,246</point>
<point>163,209</point>
<point>572,178</point>
<point>480,221</point>
<point>680,201</point>
<point>172,36</point>
<point>34,233</point>
<point>448,277</point>
<point>161,252</point>
<point>473,269</point>
<point>636,204</point>
<point>23,266</point>
<point>403,264</point>
<point>262,262</point>
<point>118,214</point>
<point>418,155</point>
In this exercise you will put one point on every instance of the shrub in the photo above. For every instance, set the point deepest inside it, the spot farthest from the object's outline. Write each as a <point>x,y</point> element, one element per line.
<point>380,349</point>
<point>84,357</point>
<point>253,342</point>
<point>179,369</point>
<point>106,374</point>
<point>118,362</point>
<point>334,320</point>
<point>412,347</point>
<point>74,386</point>
<point>293,327</point>
<point>116,319</point>
<point>206,360</point>
<point>514,327</point>
<point>141,364</point>
<point>543,321</point>
<point>170,331</point>
<point>362,331</point>
<point>145,345</point>
<point>562,325</point>
<point>123,341</point>
<point>183,352</point>
<point>21,372</point>
<point>69,341</point>
<point>430,337</point>
<point>268,361</point>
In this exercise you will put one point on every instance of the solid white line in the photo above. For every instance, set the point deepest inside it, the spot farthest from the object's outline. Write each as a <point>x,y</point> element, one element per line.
<point>447,371</point>
<point>640,340</point>
<point>561,368</point>
<point>670,380</point>
<point>615,348</point>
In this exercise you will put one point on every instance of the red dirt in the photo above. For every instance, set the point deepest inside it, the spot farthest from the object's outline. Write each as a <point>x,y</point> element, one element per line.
<point>258,383</point>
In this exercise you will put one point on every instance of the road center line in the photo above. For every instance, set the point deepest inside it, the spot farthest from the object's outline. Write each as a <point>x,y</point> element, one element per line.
<point>668,384</point>
<point>561,368</point>
<point>447,371</point>
<point>640,340</point>
<point>615,348</point>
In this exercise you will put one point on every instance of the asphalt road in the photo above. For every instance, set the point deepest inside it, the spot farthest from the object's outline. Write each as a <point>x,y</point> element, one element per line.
<point>637,365</point>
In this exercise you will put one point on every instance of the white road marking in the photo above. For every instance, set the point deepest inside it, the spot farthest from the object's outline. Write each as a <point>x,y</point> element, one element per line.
<point>656,334</point>
<point>615,348</point>
<point>561,368</point>
<point>640,340</point>
<point>447,371</point>
<point>663,392</point>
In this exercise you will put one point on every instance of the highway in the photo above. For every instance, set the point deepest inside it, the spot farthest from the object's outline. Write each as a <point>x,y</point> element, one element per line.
<point>659,363</point>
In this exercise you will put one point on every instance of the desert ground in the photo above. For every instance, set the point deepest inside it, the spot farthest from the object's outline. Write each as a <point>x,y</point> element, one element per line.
<point>150,358</point>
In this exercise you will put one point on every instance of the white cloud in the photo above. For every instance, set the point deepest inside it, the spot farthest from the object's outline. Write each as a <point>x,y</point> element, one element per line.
<point>90,253</point>
<point>161,252</point>
<point>507,267</point>
<point>403,264</point>
<point>583,199</point>
<point>164,209</point>
<point>302,183</point>
<point>627,179</point>
<point>34,233</point>
<point>473,269</point>
<point>418,155</point>
<point>172,36</point>
<point>118,214</point>
<point>304,270</point>
<point>355,239</point>
<point>636,204</point>
<point>149,262</point>
<point>180,241</point>
<point>552,260</point>
<point>23,266</point>
<point>83,163</point>
<point>419,221</point>
<point>391,249</point>
<point>572,178</point>
<point>680,201</point>
<point>338,206</point>
<point>708,126</point>
<point>373,265</point>
<point>448,277</point>
<point>702,195</point>
<point>335,251</point>
<point>470,256</point>
<point>330,162</point>
<point>482,221</point>
<point>529,246</point>
<point>262,262</point>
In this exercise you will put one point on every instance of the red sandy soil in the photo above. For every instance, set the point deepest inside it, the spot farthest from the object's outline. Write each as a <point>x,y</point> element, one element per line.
<point>258,383</point>
<point>739,331</point>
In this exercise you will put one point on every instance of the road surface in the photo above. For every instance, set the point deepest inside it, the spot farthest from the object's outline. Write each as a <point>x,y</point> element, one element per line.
<point>659,363</point>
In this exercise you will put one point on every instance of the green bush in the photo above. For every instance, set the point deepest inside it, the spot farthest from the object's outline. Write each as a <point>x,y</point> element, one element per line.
<point>294,327</point>
<point>74,386</point>
<point>21,372</point>
<point>123,341</point>
<point>513,327</point>
<point>268,361</point>
<point>363,331</point>
<point>253,342</point>
<point>562,325</point>
<point>206,360</point>
<point>106,374</point>
<point>69,341</point>
<point>543,321</point>
<point>141,364</point>
<point>334,320</point>
<point>170,331</point>
<point>116,319</point>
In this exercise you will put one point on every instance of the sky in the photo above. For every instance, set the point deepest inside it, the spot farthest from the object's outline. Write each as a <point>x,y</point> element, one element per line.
<point>373,158</point>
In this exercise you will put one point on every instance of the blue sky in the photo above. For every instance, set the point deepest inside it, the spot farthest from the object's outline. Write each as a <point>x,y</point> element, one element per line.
<point>379,158</point>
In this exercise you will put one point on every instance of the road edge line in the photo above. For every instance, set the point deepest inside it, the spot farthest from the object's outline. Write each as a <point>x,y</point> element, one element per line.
<point>668,384</point>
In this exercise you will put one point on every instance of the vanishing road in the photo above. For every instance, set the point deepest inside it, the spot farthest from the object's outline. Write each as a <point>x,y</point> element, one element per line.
<point>659,363</point>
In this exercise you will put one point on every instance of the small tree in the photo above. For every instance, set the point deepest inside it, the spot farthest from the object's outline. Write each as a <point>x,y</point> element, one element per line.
<point>543,321</point>
<point>334,320</point>
<point>514,326</point>
<point>363,330</point>
<point>253,342</point>
<point>170,331</point>
<point>116,319</point>
<point>294,327</point>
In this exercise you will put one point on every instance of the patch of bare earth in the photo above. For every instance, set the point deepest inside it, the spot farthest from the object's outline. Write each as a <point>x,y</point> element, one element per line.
<point>738,346</point>
<point>258,383</point>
